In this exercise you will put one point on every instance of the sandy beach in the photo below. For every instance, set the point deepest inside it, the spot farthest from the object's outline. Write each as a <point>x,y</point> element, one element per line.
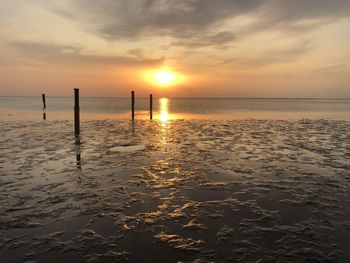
<point>181,190</point>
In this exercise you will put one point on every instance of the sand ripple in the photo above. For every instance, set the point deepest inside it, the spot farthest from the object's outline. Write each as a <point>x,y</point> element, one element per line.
<point>239,191</point>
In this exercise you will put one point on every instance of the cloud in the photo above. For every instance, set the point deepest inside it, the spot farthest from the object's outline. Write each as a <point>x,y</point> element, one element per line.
<point>180,19</point>
<point>270,57</point>
<point>195,26</point>
<point>70,54</point>
<point>137,52</point>
<point>200,40</point>
<point>328,69</point>
<point>295,10</point>
<point>192,22</point>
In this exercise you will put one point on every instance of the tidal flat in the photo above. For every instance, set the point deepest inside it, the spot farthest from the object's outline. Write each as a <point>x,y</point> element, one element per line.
<point>175,191</point>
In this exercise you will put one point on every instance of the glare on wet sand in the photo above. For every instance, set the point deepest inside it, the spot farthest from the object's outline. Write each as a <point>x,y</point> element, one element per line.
<point>190,190</point>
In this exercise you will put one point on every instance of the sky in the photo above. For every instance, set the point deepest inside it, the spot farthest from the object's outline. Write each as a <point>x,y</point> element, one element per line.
<point>221,48</point>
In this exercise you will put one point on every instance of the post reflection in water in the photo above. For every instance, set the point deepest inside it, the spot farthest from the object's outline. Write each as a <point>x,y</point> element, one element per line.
<point>78,152</point>
<point>132,127</point>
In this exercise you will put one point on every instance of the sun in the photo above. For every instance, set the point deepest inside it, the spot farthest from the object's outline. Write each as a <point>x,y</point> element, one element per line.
<point>164,78</point>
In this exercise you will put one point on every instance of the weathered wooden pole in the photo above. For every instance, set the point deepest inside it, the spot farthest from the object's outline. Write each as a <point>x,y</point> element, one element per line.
<point>133,105</point>
<point>76,116</point>
<point>44,101</point>
<point>150,106</point>
<point>44,106</point>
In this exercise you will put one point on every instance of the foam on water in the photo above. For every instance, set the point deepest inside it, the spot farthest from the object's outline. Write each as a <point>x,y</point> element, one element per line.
<point>128,148</point>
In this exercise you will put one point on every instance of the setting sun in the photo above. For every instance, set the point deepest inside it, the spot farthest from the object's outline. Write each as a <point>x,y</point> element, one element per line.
<point>164,78</point>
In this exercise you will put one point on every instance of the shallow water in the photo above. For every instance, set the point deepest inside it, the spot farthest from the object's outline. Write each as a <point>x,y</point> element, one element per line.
<point>178,190</point>
<point>61,108</point>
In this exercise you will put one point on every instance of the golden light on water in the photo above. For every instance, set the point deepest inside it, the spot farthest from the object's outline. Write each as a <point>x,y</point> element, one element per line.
<point>163,118</point>
<point>164,112</point>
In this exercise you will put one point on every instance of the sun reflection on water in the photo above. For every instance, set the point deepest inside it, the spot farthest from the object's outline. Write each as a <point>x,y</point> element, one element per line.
<point>163,117</point>
<point>164,112</point>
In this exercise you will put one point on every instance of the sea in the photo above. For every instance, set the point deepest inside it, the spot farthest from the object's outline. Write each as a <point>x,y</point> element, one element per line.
<point>210,180</point>
<point>61,108</point>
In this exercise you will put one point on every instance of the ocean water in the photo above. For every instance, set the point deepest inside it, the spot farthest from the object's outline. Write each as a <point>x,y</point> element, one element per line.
<point>18,108</point>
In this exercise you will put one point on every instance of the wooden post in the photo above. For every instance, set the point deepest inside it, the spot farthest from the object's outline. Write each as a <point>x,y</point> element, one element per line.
<point>44,106</point>
<point>150,106</point>
<point>133,105</point>
<point>76,116</point>
<point>44,101</point>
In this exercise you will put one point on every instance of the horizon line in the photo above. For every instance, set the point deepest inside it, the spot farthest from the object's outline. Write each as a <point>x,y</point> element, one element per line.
<point>236,98</point>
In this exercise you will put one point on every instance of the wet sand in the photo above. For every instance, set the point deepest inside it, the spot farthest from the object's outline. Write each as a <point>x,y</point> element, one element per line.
<point>234,191</point>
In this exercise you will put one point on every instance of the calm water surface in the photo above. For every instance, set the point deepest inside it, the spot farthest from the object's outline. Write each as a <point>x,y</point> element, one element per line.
<point>17,108</point>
